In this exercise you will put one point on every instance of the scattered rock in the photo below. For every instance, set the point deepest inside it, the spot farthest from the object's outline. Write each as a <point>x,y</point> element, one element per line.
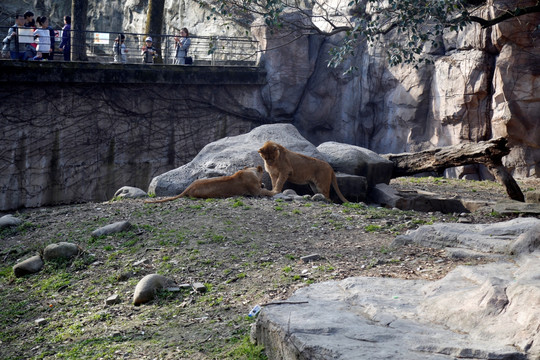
<point>319,197</point>
<point>113,299</point>
<point>289,192</point>
<point>29,266</point>
<point>312,257</point>
<point>112,229</point>
<point>199,287</point>
<point>61,250</point>
<point>141,262</point>
<point>532,197</point>
<point>9,221</point>
<point>147,287</point>
<point>129,192</point>
<point>40,321</point>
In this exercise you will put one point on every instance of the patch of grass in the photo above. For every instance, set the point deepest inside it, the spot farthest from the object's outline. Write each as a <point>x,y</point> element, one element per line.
<point>372,228</point>
<point>237,203</point>
<point>296,212</point>
<point>246,350</point>
<point>287,269</point>
<point>278,208</point>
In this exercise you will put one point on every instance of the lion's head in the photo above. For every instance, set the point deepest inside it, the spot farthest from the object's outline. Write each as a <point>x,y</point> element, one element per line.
<point>269,152</point>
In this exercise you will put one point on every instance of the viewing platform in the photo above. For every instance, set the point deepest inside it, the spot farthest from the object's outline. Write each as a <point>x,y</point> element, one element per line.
<point>13,71</point>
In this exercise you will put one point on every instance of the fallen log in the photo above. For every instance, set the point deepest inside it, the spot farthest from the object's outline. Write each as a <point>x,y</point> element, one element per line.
<point>489,153</point>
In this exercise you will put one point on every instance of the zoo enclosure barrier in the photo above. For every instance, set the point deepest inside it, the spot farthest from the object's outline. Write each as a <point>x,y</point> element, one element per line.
<point>205,50</point>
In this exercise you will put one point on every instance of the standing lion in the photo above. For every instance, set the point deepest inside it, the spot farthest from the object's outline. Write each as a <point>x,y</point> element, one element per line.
<point>286,165</point>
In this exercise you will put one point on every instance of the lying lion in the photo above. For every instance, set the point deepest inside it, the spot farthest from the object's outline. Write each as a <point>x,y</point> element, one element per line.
<point>286,165</point>
<point>244,182</point>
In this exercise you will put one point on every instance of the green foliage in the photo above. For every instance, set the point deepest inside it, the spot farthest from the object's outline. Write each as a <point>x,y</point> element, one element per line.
<point>419,23</point>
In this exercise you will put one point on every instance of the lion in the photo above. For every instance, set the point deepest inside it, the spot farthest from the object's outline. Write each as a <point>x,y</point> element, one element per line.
<point>286,165</point>
<point>247,181</point>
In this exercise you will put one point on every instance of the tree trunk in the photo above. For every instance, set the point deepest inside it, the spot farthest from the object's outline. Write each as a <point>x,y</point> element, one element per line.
<point>488,153</point>
<point>154,25</point>
<point>78,30</point>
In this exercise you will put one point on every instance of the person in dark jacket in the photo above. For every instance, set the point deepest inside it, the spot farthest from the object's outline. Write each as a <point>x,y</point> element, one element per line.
<point>65,45</point>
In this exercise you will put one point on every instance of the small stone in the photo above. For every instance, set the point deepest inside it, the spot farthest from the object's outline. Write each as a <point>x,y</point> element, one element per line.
<point>199,287</point>
<point>61,250</point>
<point>319,197</point>
<point>111,229</point>
<point>173,289</point>
<point>113,299</point>
<point>130,192</point>
<point>141,262</point>
<point>29,266</point>
<point>40,321</point>
<point>9,220</point>
<point>184,286</point>
<point>312,257</point>
<point>289,192</point>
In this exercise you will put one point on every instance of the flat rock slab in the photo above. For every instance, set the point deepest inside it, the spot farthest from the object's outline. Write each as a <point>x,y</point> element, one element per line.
<point>464,314</point>
<point>508,237</point>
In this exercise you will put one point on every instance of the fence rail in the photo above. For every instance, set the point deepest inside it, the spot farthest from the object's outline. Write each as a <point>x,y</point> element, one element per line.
<point>205,50</point>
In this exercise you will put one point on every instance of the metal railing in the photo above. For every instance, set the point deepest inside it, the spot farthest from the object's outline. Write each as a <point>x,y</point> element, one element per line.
<point>205,50</point>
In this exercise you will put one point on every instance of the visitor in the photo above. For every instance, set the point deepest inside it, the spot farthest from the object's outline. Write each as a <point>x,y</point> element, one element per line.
<point>120,50</point>
<point>12,39</point>
<point>53,39</point>
<point>148,52</point>
<point>29,19</point>
<point>43,36</point>
<point>39,56</point>
<point>182,46</point>
<point>29,22</point>
<point>65,45</point>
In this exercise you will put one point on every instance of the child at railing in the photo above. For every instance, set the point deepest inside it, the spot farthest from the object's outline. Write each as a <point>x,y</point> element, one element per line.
<point>148,52</point>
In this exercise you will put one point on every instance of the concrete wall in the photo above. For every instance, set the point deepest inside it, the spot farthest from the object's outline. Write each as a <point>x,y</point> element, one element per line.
<point>78,132</point>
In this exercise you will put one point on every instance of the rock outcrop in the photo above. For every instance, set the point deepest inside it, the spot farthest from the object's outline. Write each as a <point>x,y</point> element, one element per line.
<point>516,236</point>
<point>228,155</point>
<point>488,311</point>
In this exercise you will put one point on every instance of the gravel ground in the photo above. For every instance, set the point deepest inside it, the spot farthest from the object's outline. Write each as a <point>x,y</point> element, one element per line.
<point>246,251</point>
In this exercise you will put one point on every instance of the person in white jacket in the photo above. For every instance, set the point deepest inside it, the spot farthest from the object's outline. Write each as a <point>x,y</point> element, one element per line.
<point>43,37</point>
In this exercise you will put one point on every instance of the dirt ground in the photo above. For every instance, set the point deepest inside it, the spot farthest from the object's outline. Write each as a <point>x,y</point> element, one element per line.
<point>246,251</point>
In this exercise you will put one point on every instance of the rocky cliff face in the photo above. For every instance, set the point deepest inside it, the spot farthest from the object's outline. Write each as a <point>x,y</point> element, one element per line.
<point>483,83</point>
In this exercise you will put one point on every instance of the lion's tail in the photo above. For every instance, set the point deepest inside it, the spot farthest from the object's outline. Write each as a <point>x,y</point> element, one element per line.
<point>166,199</point>
<point>336,188</point>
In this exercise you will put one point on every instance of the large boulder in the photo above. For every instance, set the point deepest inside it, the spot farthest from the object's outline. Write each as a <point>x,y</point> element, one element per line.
<point>230,154</point>
<point>358,161</point>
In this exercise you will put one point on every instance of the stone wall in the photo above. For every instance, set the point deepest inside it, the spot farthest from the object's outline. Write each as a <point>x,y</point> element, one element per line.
<point>65,142</point>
